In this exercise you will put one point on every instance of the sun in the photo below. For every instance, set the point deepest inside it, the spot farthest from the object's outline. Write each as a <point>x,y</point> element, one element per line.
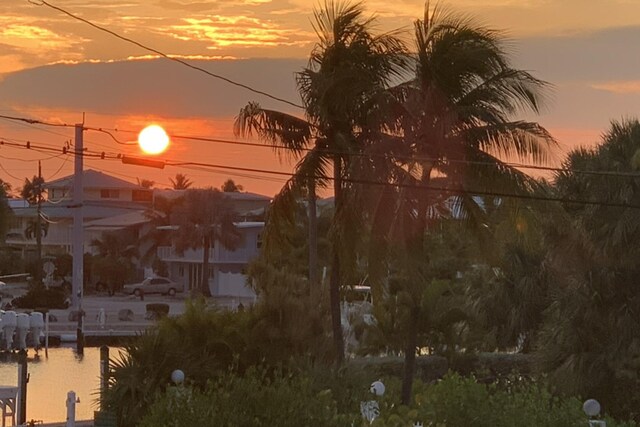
<point>153,139</point>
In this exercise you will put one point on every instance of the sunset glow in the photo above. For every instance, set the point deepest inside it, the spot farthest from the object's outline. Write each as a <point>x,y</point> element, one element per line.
<point>153,139</point>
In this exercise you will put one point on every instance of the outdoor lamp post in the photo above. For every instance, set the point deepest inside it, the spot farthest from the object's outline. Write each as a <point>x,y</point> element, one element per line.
<point>591,407</point>
<point>177,377</point>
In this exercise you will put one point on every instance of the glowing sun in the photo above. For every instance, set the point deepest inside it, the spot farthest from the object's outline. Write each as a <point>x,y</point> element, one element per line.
<point>153,139</point>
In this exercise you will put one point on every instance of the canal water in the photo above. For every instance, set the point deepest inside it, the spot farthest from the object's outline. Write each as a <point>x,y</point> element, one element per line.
<point>51,378</point>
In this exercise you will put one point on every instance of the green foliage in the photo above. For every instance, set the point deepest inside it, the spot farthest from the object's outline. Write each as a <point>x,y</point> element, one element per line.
<point>158,310</point>
<point>11,261</point>
<point>37,297</point>
<point>589,342</point>
<point>203,343</point>
<point>258,398</point>
<point>457,401</point>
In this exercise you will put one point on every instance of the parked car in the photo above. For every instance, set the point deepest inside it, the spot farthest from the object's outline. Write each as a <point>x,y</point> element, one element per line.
<point>154,285</point>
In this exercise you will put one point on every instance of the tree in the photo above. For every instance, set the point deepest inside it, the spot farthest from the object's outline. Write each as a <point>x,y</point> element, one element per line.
<point>117,250</point>
<point>452,119</point>
<point>5,210</point>
<point>33,191</point>
<point>204,218</point>
<point>229,186</point>
<point>146,183</point>
<point>181,182</point>
<point>347,67</point>
<point>589,342</point>
<point>295,135</point>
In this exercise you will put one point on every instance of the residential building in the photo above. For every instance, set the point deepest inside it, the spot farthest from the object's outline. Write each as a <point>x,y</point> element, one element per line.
<point>104,196</point>
<point>226,267</point>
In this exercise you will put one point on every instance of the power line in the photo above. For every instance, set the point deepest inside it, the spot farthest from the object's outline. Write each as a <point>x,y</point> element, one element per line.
<point>346,153</point>
<point>164,55</point>
<point>382,183</point>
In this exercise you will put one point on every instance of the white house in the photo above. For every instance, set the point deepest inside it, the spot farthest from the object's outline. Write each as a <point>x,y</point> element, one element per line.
<point>110,204</point>
<point>226,267</point>
<point>104,196</point>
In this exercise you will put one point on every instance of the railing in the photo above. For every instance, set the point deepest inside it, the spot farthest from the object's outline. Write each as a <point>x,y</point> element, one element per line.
<point>241,255</point>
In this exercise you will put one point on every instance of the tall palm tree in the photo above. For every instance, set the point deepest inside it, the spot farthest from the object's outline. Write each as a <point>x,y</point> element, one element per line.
<point>296,136</point>
<point>33,191</point>
<point>453,119</point>
<point>181,182</point>
<point>589,344</point>
<point>5,210</point>
<point>347,68</point>
<point>203,218</point>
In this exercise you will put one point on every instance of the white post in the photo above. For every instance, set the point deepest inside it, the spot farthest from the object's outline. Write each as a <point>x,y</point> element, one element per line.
<point>71,409</point>
<point>46,334</point>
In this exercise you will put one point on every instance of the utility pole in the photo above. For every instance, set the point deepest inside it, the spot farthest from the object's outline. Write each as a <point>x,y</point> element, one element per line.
<point>78,235</point>
<point>38,191</point>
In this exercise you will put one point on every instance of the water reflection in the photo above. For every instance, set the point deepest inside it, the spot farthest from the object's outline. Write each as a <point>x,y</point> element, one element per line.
<point>52,377</point>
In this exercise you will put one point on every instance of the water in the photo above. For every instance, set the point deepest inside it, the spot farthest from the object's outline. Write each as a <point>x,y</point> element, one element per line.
<point>51,378</point>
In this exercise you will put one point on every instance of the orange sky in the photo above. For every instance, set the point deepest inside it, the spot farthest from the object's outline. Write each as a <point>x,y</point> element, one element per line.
<point>584,48</point>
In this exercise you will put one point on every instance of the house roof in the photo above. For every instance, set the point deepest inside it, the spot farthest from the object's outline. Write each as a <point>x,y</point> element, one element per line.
<point>233,195</point>
<point>118,221</point>
<point>64,211</point>
<point>94,179</point>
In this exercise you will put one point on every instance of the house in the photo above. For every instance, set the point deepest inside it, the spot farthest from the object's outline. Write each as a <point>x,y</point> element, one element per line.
<point>111,204</point>
<point>226,267</point>
<point>104,196</point>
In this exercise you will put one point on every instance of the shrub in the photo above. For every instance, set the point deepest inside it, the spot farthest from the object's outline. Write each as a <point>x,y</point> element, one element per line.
<point>456,401</point>
<point>39,297</point>
<point>157,311</point>
<point>257,398</point>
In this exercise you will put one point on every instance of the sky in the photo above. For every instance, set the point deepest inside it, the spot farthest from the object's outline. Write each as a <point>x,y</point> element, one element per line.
<point>57,69</point>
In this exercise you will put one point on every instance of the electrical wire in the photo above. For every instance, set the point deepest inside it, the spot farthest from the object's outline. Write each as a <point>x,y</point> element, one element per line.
<point>361,154</point>
<point>383,183</point>
<point>164,55</point>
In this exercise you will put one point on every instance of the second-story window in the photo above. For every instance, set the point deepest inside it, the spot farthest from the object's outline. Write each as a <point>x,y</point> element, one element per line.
<point>109,194</point>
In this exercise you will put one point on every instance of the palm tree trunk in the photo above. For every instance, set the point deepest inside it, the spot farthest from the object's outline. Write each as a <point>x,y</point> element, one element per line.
<point>38,275</point>
<point>410,355</point>
<point>334,284</point>
<point>314,290</point>
<point>204,286</point>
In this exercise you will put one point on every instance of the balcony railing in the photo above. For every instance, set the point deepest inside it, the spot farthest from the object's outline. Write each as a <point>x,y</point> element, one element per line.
<point>218,254</point>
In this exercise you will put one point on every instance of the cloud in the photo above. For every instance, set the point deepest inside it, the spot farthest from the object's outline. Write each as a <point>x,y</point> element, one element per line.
<point>155,86</point>
<point>619,87</point>
<point>239,31</point>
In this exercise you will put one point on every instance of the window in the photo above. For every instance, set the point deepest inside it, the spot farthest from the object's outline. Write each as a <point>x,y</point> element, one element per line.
<point>259,241</point>
<point>210,273</point>
<point>181,271</point>
<point>109,194</point>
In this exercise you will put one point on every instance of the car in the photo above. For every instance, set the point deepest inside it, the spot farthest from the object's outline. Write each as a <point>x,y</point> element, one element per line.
<point>154,285</point>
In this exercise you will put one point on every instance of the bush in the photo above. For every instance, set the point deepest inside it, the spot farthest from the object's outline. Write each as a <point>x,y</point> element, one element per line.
<point>456,401</point>
<point>256,399</point>
<point>157,311</point>
<point>40,297</point>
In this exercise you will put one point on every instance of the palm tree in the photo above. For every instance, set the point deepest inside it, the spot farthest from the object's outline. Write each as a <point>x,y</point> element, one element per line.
<point>33,191</point>
<point>181,182</point>
<point>229,186</point>
<point>347,68</point>
<point>146,183</point>
<point>295,135</point>
<point>203,218</point>
<point>116,250</point>
<point>589,344</point>
<point>452,119</point>
<point>5,210</point>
